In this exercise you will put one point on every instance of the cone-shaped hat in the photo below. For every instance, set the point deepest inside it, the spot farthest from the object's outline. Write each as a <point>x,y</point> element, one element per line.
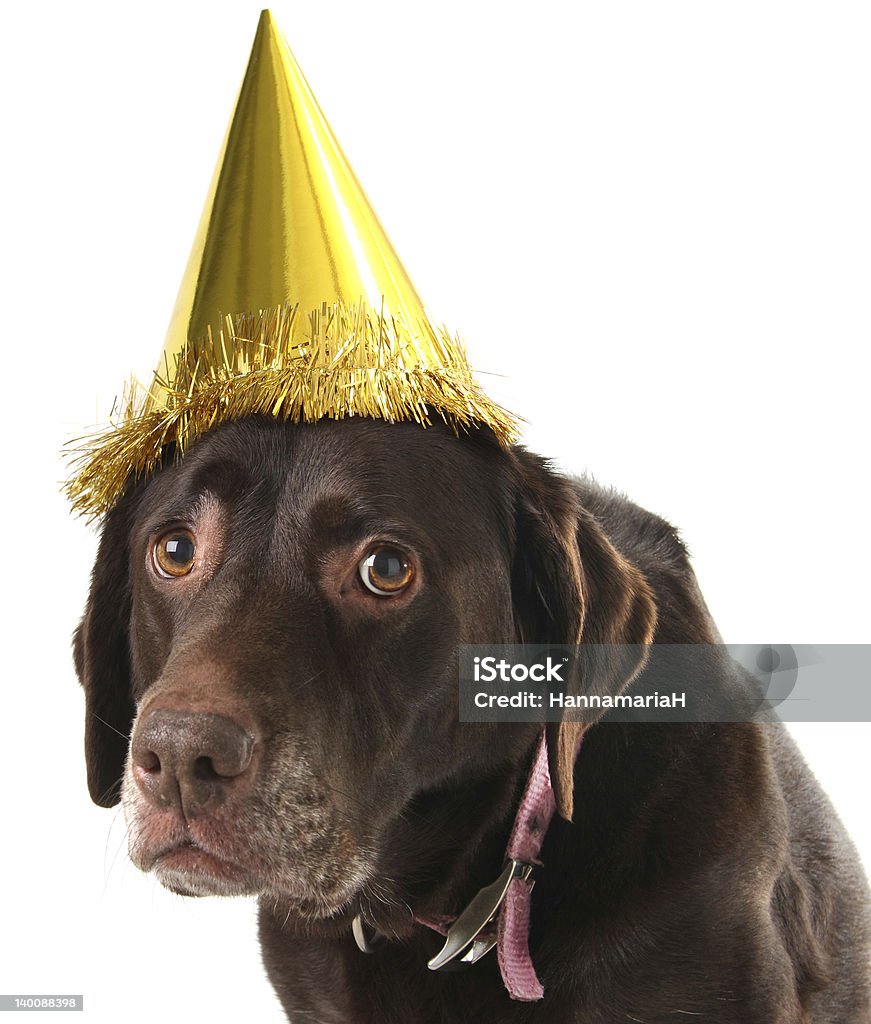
<point>285,219</point>
<point>293,304</point>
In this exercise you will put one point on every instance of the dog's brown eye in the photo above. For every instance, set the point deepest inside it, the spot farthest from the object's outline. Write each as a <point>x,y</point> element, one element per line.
<point>386,571</point>
<point>174,553</point>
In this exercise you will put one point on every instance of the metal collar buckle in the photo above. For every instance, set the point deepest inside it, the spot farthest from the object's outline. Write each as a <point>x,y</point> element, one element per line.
<point>464,944</point>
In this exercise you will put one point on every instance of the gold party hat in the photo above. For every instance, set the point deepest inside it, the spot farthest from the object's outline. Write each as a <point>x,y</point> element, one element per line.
<point>293,304</point>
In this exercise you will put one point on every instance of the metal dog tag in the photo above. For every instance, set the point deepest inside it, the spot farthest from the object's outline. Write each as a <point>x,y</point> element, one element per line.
<point>462,946</point>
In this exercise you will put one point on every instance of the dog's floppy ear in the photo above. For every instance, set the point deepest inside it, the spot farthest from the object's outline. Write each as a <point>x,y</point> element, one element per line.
<point>571,586</point>
<point>101,651</point>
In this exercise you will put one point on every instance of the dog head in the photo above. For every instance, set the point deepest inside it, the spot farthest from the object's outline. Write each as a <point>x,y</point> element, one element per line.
<point>269,651</point>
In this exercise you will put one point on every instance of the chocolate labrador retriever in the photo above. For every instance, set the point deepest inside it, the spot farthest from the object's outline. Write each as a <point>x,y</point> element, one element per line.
<point>269,657</point>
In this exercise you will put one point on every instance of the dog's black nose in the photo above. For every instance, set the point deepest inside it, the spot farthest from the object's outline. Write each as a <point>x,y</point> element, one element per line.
<point>189,759</point>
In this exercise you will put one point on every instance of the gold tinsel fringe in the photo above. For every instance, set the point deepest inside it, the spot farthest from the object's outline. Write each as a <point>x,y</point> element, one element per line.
<point>343,361</point>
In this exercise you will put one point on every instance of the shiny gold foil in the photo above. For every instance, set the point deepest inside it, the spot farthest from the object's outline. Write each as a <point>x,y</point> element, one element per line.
<point>293,304</point>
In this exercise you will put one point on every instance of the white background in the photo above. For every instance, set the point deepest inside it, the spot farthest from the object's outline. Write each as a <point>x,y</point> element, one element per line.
<point>652,220</point>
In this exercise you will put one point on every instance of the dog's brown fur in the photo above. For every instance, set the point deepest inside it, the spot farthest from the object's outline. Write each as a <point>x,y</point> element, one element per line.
<point>702,874</point>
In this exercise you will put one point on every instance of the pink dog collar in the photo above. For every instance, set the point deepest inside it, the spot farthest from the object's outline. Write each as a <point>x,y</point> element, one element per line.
<point>474,932</point>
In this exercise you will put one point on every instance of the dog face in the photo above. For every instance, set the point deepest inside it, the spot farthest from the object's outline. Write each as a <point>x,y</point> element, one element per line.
<point>274,622</point>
